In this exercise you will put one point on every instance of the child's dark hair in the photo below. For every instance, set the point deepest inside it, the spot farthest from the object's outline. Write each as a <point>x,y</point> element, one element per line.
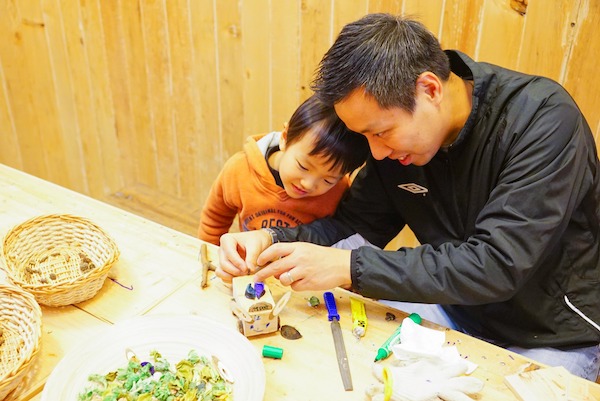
<point>345,149</point>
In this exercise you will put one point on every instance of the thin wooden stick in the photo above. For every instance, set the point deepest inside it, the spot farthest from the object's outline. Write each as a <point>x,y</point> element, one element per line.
<point>206,265</point>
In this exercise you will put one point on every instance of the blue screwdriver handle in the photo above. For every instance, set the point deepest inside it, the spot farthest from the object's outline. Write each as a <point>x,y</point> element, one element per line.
<point>331,306</point>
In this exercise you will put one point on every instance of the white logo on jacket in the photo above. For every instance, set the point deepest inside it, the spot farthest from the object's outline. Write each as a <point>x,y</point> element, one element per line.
<point>413,188</point>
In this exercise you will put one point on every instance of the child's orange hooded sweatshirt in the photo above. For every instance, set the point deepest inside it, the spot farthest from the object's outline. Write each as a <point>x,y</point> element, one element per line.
<point>246,187</point>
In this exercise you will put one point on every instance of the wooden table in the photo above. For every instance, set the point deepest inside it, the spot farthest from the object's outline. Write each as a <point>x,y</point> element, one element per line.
<point>158,272</point>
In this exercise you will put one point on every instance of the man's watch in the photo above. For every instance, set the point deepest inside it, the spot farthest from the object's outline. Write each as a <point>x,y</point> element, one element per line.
<point>273,235</point>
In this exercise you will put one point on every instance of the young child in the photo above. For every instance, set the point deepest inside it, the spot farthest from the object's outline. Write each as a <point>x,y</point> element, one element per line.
<point>285,178</point>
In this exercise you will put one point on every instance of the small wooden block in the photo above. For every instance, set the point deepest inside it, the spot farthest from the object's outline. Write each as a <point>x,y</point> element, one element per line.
<point>551,384</point>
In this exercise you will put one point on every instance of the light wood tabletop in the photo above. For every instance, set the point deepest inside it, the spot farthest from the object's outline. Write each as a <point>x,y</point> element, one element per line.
<point>159,272</point>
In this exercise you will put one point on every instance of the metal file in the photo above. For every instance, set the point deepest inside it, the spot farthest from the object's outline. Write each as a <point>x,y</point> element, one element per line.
<point>338,340</point>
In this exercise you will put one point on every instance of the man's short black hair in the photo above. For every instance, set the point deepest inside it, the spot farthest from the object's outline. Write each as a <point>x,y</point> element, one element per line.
<point>384,54</point>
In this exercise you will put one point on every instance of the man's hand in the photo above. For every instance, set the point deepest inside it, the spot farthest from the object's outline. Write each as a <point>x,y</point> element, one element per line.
<point>238,253</point>
<point>305,266</point>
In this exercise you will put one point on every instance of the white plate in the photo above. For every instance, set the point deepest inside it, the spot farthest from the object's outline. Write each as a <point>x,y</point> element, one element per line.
<point>173,337</point>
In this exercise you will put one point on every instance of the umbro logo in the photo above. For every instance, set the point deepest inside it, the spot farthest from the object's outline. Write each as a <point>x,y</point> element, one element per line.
<point>413,188</point>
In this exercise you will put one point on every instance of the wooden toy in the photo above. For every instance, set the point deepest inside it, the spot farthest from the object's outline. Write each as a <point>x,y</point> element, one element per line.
<point>254,306</point>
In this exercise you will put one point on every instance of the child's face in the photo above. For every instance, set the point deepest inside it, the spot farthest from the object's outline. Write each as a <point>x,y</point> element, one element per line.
<point>303,175</point>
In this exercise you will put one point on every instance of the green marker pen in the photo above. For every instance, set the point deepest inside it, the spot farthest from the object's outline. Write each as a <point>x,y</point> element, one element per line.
<point>385,350</point>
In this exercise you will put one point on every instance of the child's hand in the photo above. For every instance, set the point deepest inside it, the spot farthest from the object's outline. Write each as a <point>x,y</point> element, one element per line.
<point>238,253</point>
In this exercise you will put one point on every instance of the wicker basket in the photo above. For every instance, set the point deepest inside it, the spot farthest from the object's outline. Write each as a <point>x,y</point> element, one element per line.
<point>61,259</point>
<point>21,326</point>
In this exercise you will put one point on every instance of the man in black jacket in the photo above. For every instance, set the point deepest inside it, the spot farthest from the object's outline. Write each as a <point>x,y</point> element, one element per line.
<point>497,174</point>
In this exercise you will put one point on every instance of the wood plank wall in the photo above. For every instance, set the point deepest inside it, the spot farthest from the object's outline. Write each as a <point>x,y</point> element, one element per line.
<point>101,95</point>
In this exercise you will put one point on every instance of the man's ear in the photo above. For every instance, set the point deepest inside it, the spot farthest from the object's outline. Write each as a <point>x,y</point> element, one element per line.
<point>429,85</point>
<point>283,139</point>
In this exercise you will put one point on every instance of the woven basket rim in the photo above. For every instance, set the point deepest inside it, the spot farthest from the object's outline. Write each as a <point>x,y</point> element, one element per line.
<point>53,216</point>
<point>13,267</point>
<point>13,376</point>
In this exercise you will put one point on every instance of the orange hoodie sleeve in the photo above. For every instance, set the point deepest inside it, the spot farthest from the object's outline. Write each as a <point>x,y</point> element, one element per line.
<point>218,213</point>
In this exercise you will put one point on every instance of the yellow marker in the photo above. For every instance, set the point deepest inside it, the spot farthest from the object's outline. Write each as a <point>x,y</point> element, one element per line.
<point>388,384</point>
<point>359,317</point>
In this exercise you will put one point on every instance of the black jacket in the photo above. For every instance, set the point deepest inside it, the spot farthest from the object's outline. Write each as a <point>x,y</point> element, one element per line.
<point>508,217</point>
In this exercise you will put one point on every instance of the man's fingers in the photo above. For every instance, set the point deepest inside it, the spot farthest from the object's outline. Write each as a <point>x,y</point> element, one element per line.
<point>276,259</point>
<point>272,269</point>
<point>274,252</point>
<point>263,273</point>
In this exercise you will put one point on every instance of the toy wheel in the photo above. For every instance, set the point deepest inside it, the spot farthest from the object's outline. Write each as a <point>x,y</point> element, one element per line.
<point>240,326</point>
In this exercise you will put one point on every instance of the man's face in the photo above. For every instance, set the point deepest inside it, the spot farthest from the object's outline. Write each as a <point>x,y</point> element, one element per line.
<point>395,133</point>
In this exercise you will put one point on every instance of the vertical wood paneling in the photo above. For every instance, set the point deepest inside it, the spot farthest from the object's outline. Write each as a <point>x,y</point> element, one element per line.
<point>206,151</point>
<point>119,83</point>
<point>342,14</point>
<point>256,47</point>
<point>315,33</point>
<point>99,95</point>
<point>185,108</point>
<point>67,140</point>
<point>582,68</point>
<point>461,25</point>
<point>231,80</point>
<point>548,34</point>
<point>142,150</point>
<point>285,60</point>
<point>9,133</point>
<point>30,95</point>
<point>386,6</point>
<point>500,41</point>
<point>103,123</point>
<point>155,37</point>
<point>80,128</point>
<point>82,135</point>
<point>428,12</point>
